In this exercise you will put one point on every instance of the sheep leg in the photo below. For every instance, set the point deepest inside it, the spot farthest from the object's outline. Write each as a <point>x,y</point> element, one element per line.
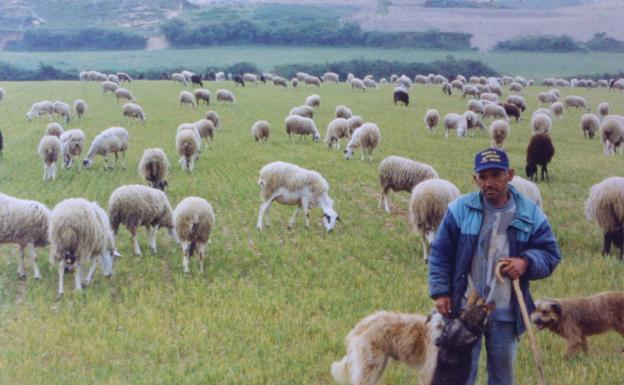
<point>370,155</point>
<point>20,266</point>
<point>263,208</point>
<point>151,238</point>
<point>61,272</point>
<point>135,242</point>
<point>425,245</point>
<point>33,260</point>
<point>106,163</point>
<point>87,281</point>
<point>53,171</point>
<point>185,257</point>
<point>202,253</point>
<point>123,155</point>
<point>292,219</point>
<point>78,277</point>
<point>305,203</point>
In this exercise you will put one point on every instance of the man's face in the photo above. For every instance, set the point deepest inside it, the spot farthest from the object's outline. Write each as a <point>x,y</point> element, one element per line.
<point>493,184</point>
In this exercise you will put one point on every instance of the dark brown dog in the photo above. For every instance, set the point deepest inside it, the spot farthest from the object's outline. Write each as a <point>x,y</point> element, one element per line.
<point>576,318</point>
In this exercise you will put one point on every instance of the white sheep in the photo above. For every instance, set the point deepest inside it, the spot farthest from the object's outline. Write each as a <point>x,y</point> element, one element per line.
<point>292,185</point>
<point>336,130</point>
<point>612,134</point>
<point>225,96</point>
<point>54,129</point>
<point>603,110</point>
<point>370,83</point>
<point>453,121</point>
<point>80,107</point>
<point>299,125</point>
<point>213,116</point>
<point>122,93</point>
<point>261,130</point>
<point>250,78</point>
<point>498,131</point>
<point>527,188</point>
<point>541,123</point>
<point>313,80</point>
<point>25,223</point>
<point>39,108</point>
<point>495,111</point>
<point>186,97</point>
<point>557,109</point>
<point>72,144</point>
<point>108,86</point>
<point>187,75</point>
<point>330,77</point>
<point>476,106</point>
<point>590,124</point>
<point>112,140</point>
<point>294,82</point>
<point>62,109</point>
<point>576,102</point>
<point>83,76</point>
<point>401,174</point>
<point>113,78</point>
<point>154,167</point>
<point>194,221</point>
<point>605,207</point>
<point>133,110</point>
<point>135,206</point>
<point>124,77</point>
<point>202,94</point>
<point>49,150</point>
<point>280,81</point>
<point>421,79</point>
<point>305,111</point>
<point>206,130</point>
<point>80,233</point>
<point>178,77</point>
<point>357,84</point>
<point>472,122</point>
<point>427,207</point>
<point>367,136</point>
<point>313,101</point>
<point>432,117</point>
<point>343,112</point>
<point>518,101</point>
<point>547,98</point>
<point>188,144</point>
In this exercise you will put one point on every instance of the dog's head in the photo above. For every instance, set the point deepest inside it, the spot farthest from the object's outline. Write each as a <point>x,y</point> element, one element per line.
<point>462,333</point>
<point>435,324</point>
<point>547,314</point>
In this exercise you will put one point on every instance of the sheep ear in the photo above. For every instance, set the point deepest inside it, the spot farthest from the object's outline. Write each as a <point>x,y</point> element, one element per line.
<point>338,219</point>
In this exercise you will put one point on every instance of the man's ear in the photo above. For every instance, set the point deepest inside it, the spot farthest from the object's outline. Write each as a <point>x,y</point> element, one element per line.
<point>511,173</point>
<point>474,179</point>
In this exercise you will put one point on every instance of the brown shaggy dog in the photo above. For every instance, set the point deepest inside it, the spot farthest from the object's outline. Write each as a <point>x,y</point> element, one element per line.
<point>576,318</point>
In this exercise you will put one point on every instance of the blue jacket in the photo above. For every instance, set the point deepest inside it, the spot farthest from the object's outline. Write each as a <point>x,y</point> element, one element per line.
<point>450,258</point>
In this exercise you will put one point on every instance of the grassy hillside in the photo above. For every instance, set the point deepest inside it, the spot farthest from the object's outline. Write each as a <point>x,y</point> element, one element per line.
<point>274,306</point>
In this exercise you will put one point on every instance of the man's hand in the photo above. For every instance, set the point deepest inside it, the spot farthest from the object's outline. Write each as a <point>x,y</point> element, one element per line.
<point>443,305</point>
<point>515,267</point>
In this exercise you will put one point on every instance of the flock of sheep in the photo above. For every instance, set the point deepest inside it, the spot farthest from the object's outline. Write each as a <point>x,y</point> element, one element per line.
<point>80,232</point>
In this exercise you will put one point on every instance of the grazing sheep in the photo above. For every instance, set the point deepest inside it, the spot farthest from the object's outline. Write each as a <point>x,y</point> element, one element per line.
<point>193,220</point>
<point>421,79</point>
<point>305,111</point>
<point>25,223</point>
<point>518,101</point>
<point>294,82</point>
<point>557,109</point>
<point>137,205</point>
<point>516,87</point>
<point>177,77</point>
<point>80,106</point>
<point>370,83</point>
<point>432,117</point>
<point>62,109</point>
<point>154,167</point>
<point>603,110</point>
<point>495,111</point>
<point>261,130</point>
<point>605,207</point>
<point>292,185</point>
<point>589,125</point>
<point>472,91</point>
<point>313,101</point>
<point>296,124</point>
<point>612,134</point>
<point>72,144</point>
<point>122,93</point>
<point>109,86</point>
<point>202,94</point>
<point>133,110</point>
<point>197,79</point>
<point>343,112</point>
<point>547,98</point>
<point>112,140</point>
<point>576,102</point>
<point>512,110</point>
<point>401,174</point>
<point>188,144</point>
<point>472,122</point>
<point>428,204</point>
<point>447,89</point>
<point>124,77</point>
<point>541,123</point>
<point>400,96</point>
<point>336,130</point>
<point>555,92</point>
<point>80,234</point>
<point>457,122</point>
<point>83,76</point>
<point>238,80</point>
<point>616,84</point>
<point>357,84</point>
<point>545,111</point>
<point>250,78</point>
<point>187,98</point>
<point>54,129</point>
<point>499,131</point>
<point>39,108</point>
<point>213,116</point>
<point>280,81</point>
<point>225,96</point>
<point>476,106</point>
<point>490,97</point>
<point>457,84</point>
<point>367,136</point>
<point>313,80</point>
<point>404,82</point>
<point>354,122</point>
<point>113,78</point>
<point>539,152</point>
<point>330,77</point>
<point>206,130</point>
<point>49,151</point>
<point>527,188</point>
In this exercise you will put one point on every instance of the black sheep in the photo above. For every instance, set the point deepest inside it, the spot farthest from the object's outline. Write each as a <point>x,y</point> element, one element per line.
<point>512,110</point>
<point>239,80</point>
<point>401,96</point>
<point>197,79</point>
<point>539,152</point>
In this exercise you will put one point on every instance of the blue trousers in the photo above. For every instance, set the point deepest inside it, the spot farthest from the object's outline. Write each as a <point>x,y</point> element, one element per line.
<point>501,343</point>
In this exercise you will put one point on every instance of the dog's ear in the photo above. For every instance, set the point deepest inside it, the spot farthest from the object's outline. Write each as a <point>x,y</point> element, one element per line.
<point>473,297</point>
<point>556,307</point>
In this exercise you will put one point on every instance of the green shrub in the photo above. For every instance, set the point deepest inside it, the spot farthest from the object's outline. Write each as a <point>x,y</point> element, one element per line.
<point>549,43</point>
<point>81,39</point>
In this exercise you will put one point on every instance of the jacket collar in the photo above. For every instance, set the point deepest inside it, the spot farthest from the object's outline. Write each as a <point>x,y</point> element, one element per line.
<point>475,202</point>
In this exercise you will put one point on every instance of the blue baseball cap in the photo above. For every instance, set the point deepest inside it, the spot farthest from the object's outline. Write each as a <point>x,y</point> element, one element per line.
<point>491,158</point>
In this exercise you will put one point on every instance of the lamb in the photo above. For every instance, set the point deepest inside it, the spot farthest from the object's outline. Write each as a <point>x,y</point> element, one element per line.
<point>313,101</point>
<point>292,185</point>
<point>357,84</point>
<point>188,145</point>
<point>336,130</point>
<point>225,96</point>
<point>80,106</point>
<point>605,207</point>
<point>261,130</point>
<point>296,124</point>
<point>122,93</point>
<point>305,111</point>
<point>280,81</point>
<point>527,188</point>
<point>457,122</point>
<point>343,112</point>
<point>401,174</point>
<point>539,152</point>
<point>25,223</point>
<point>187,98</point>
<point>495,111</point>
<point>498,131</point>
<point>213,116</point>
<point>133,110</point>
<point>518,101</point>
<point>193,220</point>
<point>576,102</point>
<point>202,94</point>
<point>112,140</point>
<point>541,123</point>
<point>72,143</point>
<point>427,207</point>
<point>476,106</point>
<point>62,110</point>
<point>80,233</point>
<point>354,122</point>
<point>49,151</point>
<point>109,86</point>
<point>603,110</point>
<point>124,77</point>
<point>557,109</point>
<point>54,129</point>
<point>612,134</point>
<point>39,108</point>
<point>177,77</point>
<point>367,136</point>
<point>137,205</point>
<point>154,167</point>
<point>547,97</point>
<point>206,129</point>
<point>432,117</point>
<point>589,125</point>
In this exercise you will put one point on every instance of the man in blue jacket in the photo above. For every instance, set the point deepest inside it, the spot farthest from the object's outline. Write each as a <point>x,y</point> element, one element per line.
<point>479,230</point>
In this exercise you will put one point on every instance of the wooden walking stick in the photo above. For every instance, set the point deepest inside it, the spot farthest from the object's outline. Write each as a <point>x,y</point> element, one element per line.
<point>525,318</point>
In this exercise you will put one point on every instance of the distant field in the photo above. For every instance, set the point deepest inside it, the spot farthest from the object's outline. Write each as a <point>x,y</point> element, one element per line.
<point>536,65</point>
<point>274,306</point>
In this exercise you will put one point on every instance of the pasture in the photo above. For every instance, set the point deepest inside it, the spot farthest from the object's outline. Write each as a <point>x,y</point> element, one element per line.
<point>273,307</point>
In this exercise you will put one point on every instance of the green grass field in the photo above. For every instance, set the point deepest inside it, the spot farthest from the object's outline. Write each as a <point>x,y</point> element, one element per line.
<point>530,64</point>
<point>274,306</point>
